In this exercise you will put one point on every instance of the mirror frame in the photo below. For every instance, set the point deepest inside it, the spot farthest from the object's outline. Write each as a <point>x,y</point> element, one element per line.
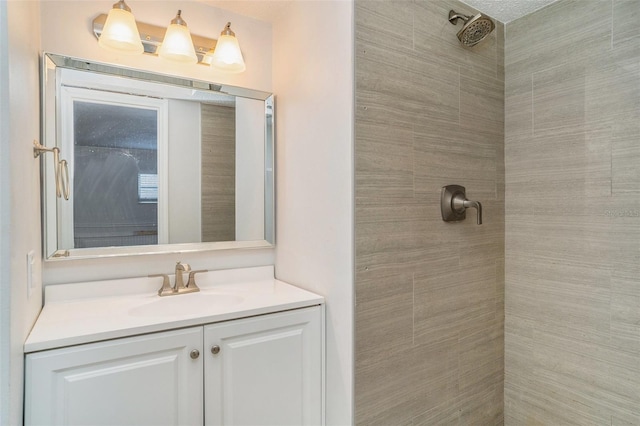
<point>48,95</point>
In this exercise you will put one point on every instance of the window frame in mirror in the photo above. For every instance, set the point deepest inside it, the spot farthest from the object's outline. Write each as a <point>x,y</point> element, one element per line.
<point>50,136</point>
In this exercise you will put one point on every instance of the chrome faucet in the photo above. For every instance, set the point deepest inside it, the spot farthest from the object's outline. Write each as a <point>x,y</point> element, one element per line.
<point>179,287</point>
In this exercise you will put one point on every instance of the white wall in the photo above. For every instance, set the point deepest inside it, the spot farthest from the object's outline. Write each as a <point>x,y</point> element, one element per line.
<point>185,207</point>
<point>5,222</point>
<point>313,83</point>
<point>73,36</point>
<point>20,197</point>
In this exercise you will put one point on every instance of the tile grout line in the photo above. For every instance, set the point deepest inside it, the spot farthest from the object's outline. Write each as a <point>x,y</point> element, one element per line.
<point>612,7</point>
<point>533,116</point>
<point>611,141</point>
<point>413,310</point>
<point>459,94</point>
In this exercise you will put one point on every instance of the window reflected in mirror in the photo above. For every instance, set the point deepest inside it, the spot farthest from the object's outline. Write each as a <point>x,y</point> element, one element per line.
<point>115,175</point>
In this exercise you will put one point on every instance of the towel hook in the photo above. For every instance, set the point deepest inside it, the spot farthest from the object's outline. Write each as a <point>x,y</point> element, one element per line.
<point>60,166</point>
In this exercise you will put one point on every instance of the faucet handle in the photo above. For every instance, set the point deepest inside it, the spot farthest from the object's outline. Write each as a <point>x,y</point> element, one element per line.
<point>192,279</point>
<point>166,284</point>
<point>477,206</point>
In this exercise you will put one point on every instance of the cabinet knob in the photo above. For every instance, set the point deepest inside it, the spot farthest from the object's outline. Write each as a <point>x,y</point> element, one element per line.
<point>215,349</point>
<point>194,354</point>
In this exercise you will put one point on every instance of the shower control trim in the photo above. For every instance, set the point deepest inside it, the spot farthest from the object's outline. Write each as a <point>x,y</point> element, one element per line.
<point>454,204</point>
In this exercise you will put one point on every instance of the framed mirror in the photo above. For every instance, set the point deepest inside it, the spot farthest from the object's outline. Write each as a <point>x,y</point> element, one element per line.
<point>157,164</point>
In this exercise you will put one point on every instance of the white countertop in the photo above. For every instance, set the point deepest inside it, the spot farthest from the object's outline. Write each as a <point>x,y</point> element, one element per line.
<point>89,312</point>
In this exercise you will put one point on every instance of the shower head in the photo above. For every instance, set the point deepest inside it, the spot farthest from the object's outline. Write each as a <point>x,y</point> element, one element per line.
<point>475,28</point>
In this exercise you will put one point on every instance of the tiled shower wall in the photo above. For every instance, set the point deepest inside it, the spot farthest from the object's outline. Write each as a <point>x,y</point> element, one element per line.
<point>573,215</point>
<point>429,294</point>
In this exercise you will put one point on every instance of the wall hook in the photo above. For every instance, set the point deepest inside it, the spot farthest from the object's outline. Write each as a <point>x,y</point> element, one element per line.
<point>454,204</point>
<point>60,166</point>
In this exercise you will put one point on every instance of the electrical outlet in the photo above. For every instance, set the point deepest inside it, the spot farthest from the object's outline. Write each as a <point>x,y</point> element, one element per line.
<point>30,261</point>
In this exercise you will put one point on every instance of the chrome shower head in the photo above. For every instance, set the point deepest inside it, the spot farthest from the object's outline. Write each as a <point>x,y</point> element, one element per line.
<point>475,28</point>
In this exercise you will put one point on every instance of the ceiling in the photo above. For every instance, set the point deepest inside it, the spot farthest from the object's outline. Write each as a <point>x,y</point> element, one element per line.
<point>263,10</point>
<point>507,10</point>
<point>267,10</point>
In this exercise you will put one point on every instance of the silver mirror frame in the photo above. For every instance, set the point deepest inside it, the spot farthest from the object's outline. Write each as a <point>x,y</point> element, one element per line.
<point>50,62</point>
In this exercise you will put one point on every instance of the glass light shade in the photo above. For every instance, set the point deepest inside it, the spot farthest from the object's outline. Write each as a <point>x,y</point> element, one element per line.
<point>120,33</point>
<point>227,56</point>
<point>177,45</point>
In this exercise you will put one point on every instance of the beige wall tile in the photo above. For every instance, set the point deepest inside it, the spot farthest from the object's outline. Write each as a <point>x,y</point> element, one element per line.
<point>572,238</point>
<point>443,360</point>
<point>625,323</point>
<point>385,323</point>
<point>559,97</point>
<point>451,305</point>
<point>624,278</point>
<point>390,228</point>
<point>625,154</point>
<point>390,23</point>
<point>439,161</point>
<point>482,406</point>
<point>625,419</point>
<point>564,32</point>
<point>444,414</point>
<point>612,92</point>
<point>393,389</point>
<point>626,14</point>
<point>480,359</point>
<point>572,163</point>
<point>384,163</point>
<point>482,98</point>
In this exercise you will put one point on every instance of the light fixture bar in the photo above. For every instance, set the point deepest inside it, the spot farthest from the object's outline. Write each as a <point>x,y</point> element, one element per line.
<point>152,35</point>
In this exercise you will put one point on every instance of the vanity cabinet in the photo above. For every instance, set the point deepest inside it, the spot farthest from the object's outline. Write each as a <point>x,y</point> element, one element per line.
<point>262,370</point>
<point>143,380</point>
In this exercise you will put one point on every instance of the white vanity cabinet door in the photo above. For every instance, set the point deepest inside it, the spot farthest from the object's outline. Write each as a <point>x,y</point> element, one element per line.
<point>268,370</point>
<point>144,380</point>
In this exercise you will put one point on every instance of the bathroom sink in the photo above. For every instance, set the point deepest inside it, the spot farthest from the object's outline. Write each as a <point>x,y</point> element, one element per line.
<point>186,304</point>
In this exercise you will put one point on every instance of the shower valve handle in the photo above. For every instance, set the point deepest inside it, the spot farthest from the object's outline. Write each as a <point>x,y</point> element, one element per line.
<point>454,204</point>
<point>460,203</point>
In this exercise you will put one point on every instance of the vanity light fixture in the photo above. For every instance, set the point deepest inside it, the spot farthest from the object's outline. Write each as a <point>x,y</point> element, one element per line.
<point>227,55</point>
<point>120,32</point>
<point>177,44</point>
